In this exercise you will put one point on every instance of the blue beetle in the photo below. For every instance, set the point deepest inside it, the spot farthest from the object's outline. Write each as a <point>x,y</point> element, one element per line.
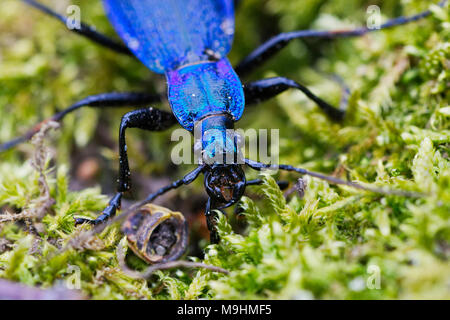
<point>188,41</point>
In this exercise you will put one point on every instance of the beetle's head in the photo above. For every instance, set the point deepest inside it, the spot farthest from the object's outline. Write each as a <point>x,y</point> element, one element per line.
<point>225,183</point>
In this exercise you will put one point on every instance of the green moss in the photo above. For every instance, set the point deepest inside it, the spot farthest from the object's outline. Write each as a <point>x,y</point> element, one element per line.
<point>334,242</point>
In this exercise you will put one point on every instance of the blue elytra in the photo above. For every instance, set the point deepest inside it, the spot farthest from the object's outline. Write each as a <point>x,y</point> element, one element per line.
<point>187,40</point>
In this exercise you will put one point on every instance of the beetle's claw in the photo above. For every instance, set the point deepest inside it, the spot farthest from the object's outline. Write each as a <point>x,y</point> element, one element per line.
<point>79,221</point>
<point>110,211</point>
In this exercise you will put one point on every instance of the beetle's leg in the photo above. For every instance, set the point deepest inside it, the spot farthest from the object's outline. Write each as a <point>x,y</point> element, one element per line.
<point>147,119</point>
<point>265,89</point>
<point>275,44</point>
<point>104,100</point>
<point>84,30</point>
<point>187,179</point>
<point>150,119</point>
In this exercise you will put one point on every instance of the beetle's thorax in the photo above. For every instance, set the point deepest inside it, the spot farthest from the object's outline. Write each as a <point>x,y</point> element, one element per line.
<point>215,140</point>
<point>199,90</point>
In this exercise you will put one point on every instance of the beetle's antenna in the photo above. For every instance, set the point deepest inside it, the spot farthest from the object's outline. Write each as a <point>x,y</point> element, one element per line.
<point>261,166</point>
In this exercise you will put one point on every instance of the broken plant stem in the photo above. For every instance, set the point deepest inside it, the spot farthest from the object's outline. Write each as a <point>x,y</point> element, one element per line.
<point>120,252</point>
<point>38,207</point>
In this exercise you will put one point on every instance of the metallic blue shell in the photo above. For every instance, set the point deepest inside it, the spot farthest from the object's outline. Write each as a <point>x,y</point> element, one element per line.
<point>203,89</point>
<point>167,34</point>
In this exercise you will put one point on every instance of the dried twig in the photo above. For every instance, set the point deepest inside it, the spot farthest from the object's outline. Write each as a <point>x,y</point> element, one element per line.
<point>8,216</point>
<point>45,201</point>
<point>120,252</point>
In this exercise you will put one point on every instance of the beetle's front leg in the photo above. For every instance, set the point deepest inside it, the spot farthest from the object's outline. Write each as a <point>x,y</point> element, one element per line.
<point>147,119</point>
